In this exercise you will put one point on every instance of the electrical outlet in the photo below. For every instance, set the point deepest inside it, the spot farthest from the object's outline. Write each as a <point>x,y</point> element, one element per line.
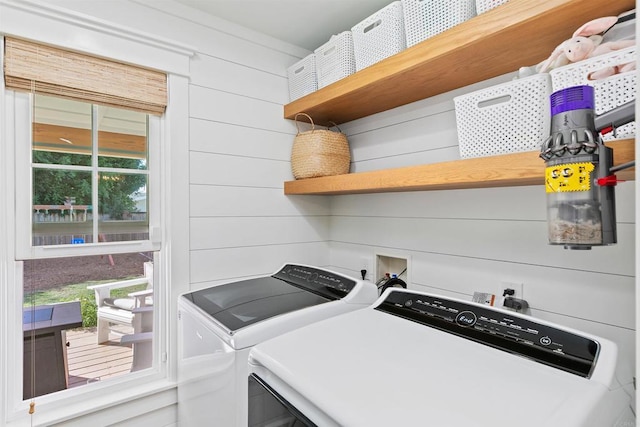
<point>518,291</point>
<point>364,266</point>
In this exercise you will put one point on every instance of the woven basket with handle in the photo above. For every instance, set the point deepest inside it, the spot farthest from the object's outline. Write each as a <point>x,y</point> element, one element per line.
<point>319,152</point>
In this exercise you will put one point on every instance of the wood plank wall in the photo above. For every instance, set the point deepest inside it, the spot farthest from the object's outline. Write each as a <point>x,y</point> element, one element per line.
<point>241,224</point>
<point>459,241</point>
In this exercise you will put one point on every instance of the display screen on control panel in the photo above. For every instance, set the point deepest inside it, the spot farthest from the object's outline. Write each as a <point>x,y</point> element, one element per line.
<point>322,282</point>
<point>545,344</point>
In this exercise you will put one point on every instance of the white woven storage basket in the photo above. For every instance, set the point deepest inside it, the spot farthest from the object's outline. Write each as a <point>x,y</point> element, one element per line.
<point>302,77</point>
<point>335,59</point>
<point>484,5</point>
<point>505,118</point>
<point>610,92</point>
<point>426,18</point>
<point>379,36</point>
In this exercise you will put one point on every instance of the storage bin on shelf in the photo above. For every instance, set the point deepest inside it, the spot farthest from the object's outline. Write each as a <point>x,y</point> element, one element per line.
<point>426,18</point>
<point>335,59</point>
<point>302,77</point>
<point>483,6</point>
<point>610,92</point>
<point>379,36</point>
<point>504,118</point>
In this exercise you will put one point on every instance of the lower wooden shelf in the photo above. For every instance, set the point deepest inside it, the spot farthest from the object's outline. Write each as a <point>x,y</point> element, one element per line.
<point>506,170</point>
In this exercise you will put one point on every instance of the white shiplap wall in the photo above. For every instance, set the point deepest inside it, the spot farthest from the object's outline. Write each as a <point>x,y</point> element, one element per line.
<point>461,241</point>
<point>241,224</point>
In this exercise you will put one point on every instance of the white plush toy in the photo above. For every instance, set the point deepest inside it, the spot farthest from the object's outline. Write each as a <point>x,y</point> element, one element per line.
<point>585,43</point>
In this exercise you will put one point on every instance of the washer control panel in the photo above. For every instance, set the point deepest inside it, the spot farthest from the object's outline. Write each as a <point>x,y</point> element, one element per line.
<point>519,335</point>
<point>315,279</point>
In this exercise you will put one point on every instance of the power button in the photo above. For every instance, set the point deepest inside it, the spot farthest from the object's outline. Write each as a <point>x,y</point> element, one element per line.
<point>545,340</point>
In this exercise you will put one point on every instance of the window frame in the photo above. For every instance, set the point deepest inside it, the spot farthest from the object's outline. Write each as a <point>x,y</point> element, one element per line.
<point>18,107</point>
<point>141,393</point>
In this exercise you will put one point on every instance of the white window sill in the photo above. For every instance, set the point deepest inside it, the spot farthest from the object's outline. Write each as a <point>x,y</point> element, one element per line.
<point>114,403</point>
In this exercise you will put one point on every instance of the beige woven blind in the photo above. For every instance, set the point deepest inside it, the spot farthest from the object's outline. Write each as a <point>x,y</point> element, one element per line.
<point>82,77</point>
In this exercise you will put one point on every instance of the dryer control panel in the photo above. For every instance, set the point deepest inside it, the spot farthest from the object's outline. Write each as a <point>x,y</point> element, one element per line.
<point>315,279</point>
<point>543,343</point>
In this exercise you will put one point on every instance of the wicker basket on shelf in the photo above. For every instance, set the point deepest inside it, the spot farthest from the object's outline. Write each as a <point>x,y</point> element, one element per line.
<point>319,152</point>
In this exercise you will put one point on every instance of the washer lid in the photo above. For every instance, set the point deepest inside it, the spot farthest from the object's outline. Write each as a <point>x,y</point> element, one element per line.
<point>239,304</point>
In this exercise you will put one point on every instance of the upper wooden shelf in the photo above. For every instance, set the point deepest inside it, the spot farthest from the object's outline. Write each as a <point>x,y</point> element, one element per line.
<point>518,33</point>
<point>507,170</point>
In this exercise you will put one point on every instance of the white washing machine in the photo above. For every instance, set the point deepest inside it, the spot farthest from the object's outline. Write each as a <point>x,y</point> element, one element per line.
<point>217,327</point>
<point>414,359</point>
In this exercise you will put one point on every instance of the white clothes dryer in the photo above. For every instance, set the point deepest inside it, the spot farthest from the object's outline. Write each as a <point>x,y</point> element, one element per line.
<point>415,359</point>
<point>217,327</point>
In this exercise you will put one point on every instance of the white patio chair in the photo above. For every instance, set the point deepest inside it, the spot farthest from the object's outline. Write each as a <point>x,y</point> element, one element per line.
<point>142,339</point>
<point>121,311</point>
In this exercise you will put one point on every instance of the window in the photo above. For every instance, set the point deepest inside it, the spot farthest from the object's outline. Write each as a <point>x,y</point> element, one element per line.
<point>86,204</point>
<point>84,240</point>
<point>61,321</point>
<point>163,67</point>
<point>88,178</point>
<point>91,153</point>
<point>89,173</point>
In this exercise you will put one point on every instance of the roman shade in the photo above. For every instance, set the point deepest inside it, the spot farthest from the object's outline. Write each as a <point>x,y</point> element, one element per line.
<point>58,72</point>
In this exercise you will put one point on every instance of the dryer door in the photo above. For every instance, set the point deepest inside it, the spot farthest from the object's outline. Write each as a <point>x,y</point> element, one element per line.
<point>268,408</point>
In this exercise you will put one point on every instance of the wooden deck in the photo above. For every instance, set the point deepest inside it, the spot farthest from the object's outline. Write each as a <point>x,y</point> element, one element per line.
<point>89,361</point>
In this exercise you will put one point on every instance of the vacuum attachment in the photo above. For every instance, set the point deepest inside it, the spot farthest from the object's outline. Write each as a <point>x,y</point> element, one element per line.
<point>580,211</point>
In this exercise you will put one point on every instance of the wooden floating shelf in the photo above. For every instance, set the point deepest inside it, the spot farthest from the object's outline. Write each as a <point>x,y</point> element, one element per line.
<point>506,170</point>
<point>515,34</point>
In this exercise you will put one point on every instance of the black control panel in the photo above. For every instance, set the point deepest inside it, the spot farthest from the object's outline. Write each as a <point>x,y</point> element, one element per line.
<point>315,280</point>
<point>545,344</point>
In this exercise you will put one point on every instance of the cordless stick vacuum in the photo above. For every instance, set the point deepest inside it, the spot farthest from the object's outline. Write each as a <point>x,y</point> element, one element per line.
<point>579,177</point>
